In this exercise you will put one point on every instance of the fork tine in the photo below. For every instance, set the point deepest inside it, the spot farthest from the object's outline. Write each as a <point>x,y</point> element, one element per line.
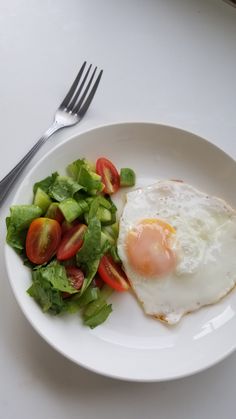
<point>73,102</point>
<point>69,95</point>
<point>89,99</point>
<point>77,107</point>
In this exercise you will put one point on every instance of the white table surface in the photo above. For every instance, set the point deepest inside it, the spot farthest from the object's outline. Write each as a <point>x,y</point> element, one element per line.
<point>168,61</point>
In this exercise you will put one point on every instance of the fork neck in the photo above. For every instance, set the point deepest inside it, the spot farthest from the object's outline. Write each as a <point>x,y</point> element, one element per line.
<point>53,128</point>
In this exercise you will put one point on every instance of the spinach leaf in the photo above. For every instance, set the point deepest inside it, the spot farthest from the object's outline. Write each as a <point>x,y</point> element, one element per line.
<point>88,257</point>
<point>99,317</point>
<point>97,311</point>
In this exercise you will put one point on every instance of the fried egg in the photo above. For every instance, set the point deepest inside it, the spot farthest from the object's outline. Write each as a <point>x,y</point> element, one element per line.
<point>178,248</point>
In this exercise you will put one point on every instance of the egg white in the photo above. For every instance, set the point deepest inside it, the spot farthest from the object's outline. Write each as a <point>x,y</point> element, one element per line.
<point>205,246</point>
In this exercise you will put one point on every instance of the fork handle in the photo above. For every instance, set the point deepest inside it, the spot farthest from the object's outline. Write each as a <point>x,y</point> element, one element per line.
<point>10,178</point>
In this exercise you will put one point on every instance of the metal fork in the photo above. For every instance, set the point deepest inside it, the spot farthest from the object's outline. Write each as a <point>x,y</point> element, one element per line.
<point>70,112</point>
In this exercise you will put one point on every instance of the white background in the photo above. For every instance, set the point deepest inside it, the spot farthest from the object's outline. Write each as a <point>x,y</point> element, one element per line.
<point>168,61</point>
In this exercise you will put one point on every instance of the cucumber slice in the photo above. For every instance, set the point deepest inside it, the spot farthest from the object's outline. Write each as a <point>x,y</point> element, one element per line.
<point>111,230</point>
<point>71,209</point>
<point>114,254</point>
<point>107,237</point>
<point>42,200</point>
<point>104,215</point>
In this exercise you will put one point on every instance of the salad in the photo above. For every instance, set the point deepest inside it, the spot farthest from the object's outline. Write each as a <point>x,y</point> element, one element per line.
<point>68,236</point>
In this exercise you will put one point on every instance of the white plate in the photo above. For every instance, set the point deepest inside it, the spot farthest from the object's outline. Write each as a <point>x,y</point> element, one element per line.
<point>130,345</point>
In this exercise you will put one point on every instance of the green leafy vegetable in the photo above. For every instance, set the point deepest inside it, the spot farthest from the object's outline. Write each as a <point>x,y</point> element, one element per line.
<point>55,273</point>
<point>79,301</point>
<point>80,170</point>
<point>94,307</point>
<point>76,197</point>
<point>45,183</point>
<point>48,284</point>
<point>113,211</point>
<point>19,221</point>
<point>45,295</point>
<point>97,311</point>
<point>92,243</point>
<point>99,317</point>
<point>112,208</point>
<point>89,255</point>
<point>63,187</point>
<point>103,209</point>
<point>94,205</point>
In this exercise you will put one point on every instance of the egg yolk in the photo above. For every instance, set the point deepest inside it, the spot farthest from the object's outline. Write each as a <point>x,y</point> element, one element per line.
<point>148,248</point>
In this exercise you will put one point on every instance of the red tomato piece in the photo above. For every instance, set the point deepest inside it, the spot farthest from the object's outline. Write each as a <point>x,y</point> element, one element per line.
<point>71,242</point>
<point>55,213</point>
<point>42,240</point>
<point>109,174</point>
<point>98,282</point>
<point>112,274</point>
<point>76,276</point>
<point>58,216</point>
<point>66,226</point>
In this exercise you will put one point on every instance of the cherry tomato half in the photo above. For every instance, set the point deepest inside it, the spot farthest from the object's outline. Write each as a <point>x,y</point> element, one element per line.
<point>112,274</point>
<point>42,240</point>
<point>71,242</point>
<point>76,278</point>
<point>57,215</point>
<point>98,282</point>
<point>66,226</point>
<point>110,177</point>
